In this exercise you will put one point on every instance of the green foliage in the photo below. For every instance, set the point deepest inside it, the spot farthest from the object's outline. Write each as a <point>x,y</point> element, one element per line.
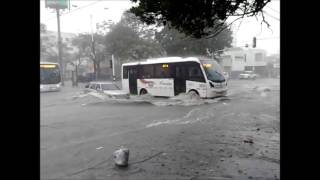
<point>129,40</point>
<point>197,18</point>
<point>178,44</point>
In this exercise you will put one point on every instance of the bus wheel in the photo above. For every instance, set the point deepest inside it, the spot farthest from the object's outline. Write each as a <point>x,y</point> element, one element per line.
<point>194,94</point>
<point>143,91</point>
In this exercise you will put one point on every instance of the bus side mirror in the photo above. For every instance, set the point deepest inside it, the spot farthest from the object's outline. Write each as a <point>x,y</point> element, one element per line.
<point>211,85</point>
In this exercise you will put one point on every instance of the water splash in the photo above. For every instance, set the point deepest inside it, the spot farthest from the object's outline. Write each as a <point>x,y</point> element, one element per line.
<point>193,116</point>
<point>180,100</point>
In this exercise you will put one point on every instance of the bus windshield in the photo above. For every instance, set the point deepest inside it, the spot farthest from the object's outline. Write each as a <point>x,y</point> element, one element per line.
<point>213,70</point>
<point>50,75</point>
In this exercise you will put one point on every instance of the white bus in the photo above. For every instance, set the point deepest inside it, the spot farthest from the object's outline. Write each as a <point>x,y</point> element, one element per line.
<point>50,78</point>
<point>171,76</point>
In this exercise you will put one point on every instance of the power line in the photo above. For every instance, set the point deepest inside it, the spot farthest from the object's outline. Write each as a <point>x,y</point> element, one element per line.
<point>273,9</point>
<point>266,38</point>
<point>77,9</point>
<point>271,16</point>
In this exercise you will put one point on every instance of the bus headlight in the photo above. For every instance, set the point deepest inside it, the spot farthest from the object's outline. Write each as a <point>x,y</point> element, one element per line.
<point>58,85</point>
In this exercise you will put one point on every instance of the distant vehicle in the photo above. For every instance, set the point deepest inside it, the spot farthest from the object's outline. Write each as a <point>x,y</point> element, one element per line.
<point>170,76</point>
<point>50,78</point>
<point>248,75</point>
<point>83,79</point>
<point>108,88</point>
<point>226,75</point>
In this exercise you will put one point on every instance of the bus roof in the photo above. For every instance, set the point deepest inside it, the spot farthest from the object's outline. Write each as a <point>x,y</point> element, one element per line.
<point>164,60</point>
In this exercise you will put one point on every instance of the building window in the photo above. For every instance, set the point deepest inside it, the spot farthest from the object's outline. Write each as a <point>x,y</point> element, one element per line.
<point>258,57</point>
<point>238,58</point>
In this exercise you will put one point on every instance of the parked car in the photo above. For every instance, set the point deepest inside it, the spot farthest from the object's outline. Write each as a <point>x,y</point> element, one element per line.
<point>248,75</point>
<point>108,88</point>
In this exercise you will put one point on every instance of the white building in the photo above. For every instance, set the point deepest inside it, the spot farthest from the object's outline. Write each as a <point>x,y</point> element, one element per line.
<point>237,60</point>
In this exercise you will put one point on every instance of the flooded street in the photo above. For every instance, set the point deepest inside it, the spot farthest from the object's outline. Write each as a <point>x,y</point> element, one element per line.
<point>232,137</point>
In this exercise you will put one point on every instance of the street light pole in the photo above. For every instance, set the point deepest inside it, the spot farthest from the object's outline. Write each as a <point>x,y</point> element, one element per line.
<point>93,51</point>
<point>60,48</point>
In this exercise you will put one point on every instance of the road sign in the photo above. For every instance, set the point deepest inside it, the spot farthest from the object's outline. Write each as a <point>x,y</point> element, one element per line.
<point>57,4</point>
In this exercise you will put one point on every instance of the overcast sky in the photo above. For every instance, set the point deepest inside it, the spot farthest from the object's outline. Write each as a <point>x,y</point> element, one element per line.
<point>77,20</point>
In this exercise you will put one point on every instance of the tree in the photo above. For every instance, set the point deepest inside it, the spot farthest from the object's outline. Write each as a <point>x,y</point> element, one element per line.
<point>95,49</point>
<point>104,27</point>
<point>178,44</point>
<point>142,29</point>
<point>197,18</point>
<point>127,40</point>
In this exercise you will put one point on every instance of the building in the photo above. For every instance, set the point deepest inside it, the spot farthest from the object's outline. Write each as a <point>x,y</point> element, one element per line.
<point>236,60</point>
<point>49,39</point>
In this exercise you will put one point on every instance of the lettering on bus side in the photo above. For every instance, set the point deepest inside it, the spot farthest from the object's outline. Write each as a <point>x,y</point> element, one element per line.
<point>165,83</point>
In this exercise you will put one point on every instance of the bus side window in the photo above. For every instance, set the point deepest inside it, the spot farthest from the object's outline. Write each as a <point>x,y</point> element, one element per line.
<point>98,87</point>
<point>195,73</point>
<point>125,72</point>
<point>147,71</point>
<point>93,86</point>
<point>161,72</point>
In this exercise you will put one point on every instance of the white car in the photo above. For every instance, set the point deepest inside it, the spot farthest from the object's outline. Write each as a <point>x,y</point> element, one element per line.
<point>248,75</point>
<point>108,88</point>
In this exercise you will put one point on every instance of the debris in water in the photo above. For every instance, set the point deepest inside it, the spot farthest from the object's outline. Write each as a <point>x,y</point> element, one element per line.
<point>248,141</point>
<point>250,154</point>
<point>121,157</point>
<point>99,148</point>
<point>221,150</point>
<point>267,90</point>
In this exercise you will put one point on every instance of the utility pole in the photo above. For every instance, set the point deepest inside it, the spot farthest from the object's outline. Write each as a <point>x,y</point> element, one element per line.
<point>93,51</point>
<point>60,47</point>
<point>113,69</point>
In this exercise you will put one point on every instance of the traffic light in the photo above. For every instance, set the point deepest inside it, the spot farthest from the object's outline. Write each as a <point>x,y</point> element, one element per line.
<point>254,42</point>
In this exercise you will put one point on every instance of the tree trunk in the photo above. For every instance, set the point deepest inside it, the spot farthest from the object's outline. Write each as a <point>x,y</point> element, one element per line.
<point>98,70</point>
<point>76,75</point>
<point>95,70</point>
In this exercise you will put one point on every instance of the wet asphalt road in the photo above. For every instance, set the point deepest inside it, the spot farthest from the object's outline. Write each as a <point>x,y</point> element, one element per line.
<point>230,138</point>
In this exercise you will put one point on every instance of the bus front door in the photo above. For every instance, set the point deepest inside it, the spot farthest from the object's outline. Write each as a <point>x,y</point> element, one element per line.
<point>133,75</point>
<point>180,80</point>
